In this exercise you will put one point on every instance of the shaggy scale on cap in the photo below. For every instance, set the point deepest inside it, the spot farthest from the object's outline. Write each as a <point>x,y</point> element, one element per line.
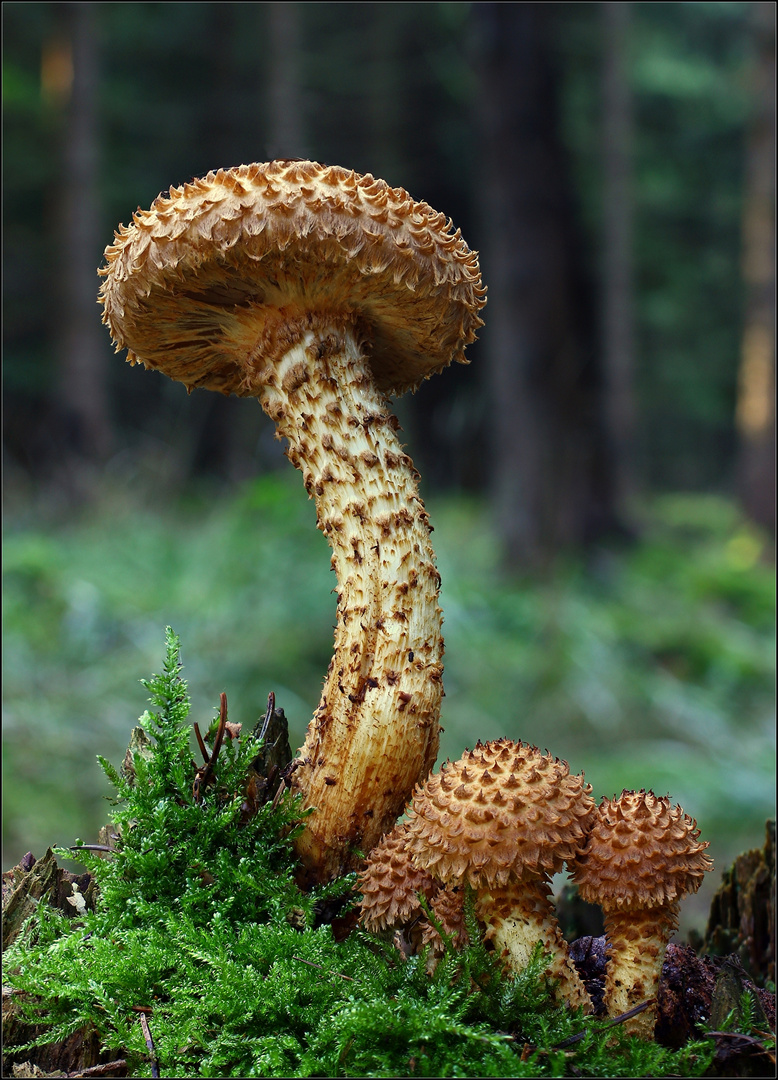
<point>502,809</point>
<point>217,266</point>
<point>448,905</point>
<point>390,884</point>
<point>642,852</point>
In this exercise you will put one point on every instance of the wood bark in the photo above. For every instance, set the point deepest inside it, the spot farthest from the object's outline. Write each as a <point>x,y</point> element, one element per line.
<point>755,414</point>
<point>82,394</point>
<point>552,480</point>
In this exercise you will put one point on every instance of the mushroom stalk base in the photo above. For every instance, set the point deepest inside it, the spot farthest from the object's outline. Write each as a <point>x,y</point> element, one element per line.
<point>518,916</point>
<point>637,942</point>
<point>375,732</point>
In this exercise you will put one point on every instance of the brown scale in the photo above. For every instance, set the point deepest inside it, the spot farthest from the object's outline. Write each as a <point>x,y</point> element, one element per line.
<point>448,906</point>
<point>489,790</point>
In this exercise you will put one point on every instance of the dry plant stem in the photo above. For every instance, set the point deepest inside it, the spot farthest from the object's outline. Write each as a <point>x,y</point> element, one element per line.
<point>518,916</point>
<point>637,941</point>
<point>374,734</point>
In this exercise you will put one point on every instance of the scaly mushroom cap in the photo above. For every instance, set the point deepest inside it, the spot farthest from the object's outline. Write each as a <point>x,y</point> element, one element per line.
<point>642,852</point>
<point>390,883</point>
<point>203,284</point>
<point>502,809</point>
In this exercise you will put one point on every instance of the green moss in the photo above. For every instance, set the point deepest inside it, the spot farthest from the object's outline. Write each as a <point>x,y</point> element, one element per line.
<point>199,922</point>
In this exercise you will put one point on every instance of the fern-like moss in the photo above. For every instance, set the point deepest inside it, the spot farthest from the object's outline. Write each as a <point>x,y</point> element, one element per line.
<point>199,922</point>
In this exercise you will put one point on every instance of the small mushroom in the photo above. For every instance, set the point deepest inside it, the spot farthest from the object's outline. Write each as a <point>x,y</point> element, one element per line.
<point>390,884</point>
<point>641,856</point>
<point>504,818</point>
<point>319,291</point>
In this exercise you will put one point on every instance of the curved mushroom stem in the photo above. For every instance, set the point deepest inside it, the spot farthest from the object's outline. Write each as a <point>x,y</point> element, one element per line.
<point>375,732</point>
<point>637,942</point>
<point>518,916</point>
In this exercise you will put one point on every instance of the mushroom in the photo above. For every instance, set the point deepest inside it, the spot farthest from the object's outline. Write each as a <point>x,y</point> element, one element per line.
<point>390,884</point>
<point>504,818</point>
<point>641,856</point>
<point>319,291</point>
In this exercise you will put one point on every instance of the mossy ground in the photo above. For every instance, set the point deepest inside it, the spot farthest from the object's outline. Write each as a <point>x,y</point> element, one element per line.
<point>200,927</point>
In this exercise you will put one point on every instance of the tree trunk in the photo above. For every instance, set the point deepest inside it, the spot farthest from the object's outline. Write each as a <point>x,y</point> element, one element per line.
<point>617,292</point>
<point>385,98</point>
<point>82,396</point>
<point>551,480</point>
<point>285,127</point>
<point>755,414</point>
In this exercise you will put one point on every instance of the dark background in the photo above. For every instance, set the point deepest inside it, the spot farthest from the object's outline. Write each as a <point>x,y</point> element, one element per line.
<point>605,159</point>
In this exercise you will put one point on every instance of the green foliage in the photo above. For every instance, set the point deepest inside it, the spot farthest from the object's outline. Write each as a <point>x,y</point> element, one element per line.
<point>199,923</point>
<point>204,856</point>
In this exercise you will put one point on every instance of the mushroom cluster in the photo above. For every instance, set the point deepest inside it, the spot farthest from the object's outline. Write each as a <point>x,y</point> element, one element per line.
<point>319,291</point>
<point>503,819</point>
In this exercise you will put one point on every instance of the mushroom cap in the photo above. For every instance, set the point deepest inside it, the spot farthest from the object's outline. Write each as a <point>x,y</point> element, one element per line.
<point>201,285</point>
<point>502,810</point>
<point>642,852</point>
<point>390,883</point>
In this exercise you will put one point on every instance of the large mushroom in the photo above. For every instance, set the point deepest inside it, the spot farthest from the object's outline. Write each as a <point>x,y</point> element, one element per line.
<point>320,291</point>
<point>640,857</point>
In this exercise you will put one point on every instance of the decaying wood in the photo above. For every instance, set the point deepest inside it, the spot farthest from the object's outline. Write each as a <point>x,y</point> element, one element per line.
<point>78,1055</point>
<point>742,915</point>
<point>693,990</point>
<point>34,881</point>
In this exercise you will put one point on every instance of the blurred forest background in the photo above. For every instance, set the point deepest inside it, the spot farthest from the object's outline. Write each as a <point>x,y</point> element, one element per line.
<point>601,477</point>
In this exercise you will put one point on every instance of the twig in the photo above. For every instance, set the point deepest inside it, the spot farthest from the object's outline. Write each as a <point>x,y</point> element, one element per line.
<point>90,847</point>
<point>310,963</point>
<point>271,708</point>
<point>278,794</point>
<point>108,1068</point>
<point>150,1044</point>
<point>739,1036</point>
<point>616,1020</point>
<point>205,773</point>
<point>201,744</point>
<point>222,727</point>
<point>529,1048</point>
